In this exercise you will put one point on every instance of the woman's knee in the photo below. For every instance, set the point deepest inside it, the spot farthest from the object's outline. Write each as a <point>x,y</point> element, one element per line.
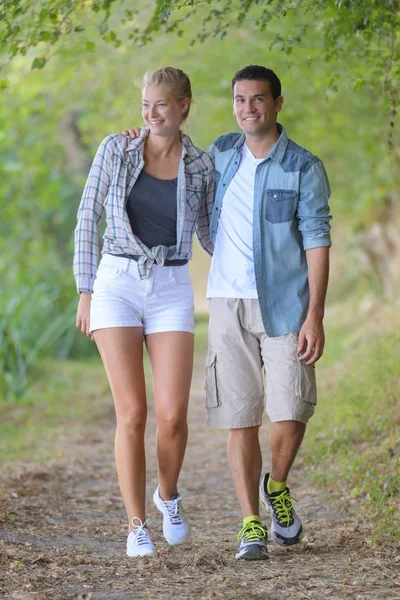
<point>172,425</point>
<point>132,420</point>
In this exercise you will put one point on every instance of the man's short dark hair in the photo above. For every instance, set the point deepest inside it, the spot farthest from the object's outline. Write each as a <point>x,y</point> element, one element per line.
<point>257,73</point>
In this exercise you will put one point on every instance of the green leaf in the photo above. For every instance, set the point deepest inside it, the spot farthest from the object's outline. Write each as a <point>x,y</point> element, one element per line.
<point>90,47</point>
<point>45,36</point>
<point>39,63</point>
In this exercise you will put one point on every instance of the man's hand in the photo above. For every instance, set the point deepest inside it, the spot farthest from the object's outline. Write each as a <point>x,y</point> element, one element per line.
<point>83,313</point>
<point>133,133</point>
<point>311,341</point>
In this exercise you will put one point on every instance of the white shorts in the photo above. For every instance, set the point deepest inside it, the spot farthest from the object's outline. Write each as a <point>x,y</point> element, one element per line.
<point>162,302</point>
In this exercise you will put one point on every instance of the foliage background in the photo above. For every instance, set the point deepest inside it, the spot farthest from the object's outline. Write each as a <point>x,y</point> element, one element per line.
<point>338,62</point>
<point>339,65</point>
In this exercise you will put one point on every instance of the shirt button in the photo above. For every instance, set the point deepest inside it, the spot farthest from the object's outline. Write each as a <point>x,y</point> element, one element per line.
<point>224,184</point>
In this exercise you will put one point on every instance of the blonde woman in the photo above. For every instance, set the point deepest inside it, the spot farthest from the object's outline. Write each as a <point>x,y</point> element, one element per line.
<point>156,190</point>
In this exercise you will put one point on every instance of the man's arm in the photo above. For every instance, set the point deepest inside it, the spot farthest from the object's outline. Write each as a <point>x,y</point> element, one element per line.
<point>314,217</point>
<point>133,133</point>
<point>311,336</point>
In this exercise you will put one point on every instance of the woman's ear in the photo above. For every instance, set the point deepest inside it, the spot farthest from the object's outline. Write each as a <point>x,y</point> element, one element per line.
<point>185,106</point>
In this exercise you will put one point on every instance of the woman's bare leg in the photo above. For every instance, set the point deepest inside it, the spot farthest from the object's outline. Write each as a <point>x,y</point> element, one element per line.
<point>121,349</point>
<point>171,358</point>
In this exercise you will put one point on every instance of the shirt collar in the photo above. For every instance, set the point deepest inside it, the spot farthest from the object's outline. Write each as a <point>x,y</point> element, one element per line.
<point>187,146</point>
<point>138,143</point>
<point>277,152</point>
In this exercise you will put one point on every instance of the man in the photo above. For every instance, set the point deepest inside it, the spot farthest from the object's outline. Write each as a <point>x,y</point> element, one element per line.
<point>269,226</point>
<point>267,286</point>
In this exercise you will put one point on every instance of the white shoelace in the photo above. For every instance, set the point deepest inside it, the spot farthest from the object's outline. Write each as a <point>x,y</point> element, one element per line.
<point>140,533</point>
<point>174,508</point>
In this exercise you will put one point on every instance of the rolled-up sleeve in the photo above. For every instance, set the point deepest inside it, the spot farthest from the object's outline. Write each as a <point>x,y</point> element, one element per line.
<point>313,209</point>
<point>86,253</point>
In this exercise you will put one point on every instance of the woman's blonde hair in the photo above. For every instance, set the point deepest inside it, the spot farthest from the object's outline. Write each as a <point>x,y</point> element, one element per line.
<point>175,79</point>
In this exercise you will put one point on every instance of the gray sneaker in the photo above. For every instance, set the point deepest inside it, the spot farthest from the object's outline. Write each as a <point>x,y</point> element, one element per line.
<point>286,527</point>
<point>253,542</point>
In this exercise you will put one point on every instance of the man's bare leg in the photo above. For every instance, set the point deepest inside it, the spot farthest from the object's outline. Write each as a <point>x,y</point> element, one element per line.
<point>245,461</point>
<point>244,456</point>
<point>285,441</point>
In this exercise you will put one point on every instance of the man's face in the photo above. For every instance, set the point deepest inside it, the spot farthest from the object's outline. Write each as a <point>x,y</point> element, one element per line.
<point>254,107</point>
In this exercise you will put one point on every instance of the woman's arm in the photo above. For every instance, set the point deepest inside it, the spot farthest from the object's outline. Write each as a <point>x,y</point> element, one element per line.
<point>91,208</point>
<point>206,206</point>
<point>86,254</point>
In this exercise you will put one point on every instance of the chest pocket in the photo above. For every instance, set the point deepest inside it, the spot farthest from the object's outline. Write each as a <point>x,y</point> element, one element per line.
<point>280,205</point>
<point>193,196</point>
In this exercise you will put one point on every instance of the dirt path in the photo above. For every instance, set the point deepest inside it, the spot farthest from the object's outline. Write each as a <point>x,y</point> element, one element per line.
<point>63,533</point>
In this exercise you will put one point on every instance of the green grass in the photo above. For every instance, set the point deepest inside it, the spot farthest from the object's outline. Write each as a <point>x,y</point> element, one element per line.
<point>352,448</point>
<point>62,404</point>
<point>200,338</point>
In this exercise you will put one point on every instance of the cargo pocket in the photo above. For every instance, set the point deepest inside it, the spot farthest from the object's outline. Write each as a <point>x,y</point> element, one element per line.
<point>306,387</point>
<point>211,387</point>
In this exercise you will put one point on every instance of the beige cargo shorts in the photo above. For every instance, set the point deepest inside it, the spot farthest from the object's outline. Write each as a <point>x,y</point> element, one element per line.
<point>239,351</point>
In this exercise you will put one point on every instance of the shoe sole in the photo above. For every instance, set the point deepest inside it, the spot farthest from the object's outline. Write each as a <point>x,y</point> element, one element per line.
<point>248,558</point>
<point>141,555</point>
<point>284,542</point>
<point>251,556</point>
<point>175,543</point>
<point>287,541</point>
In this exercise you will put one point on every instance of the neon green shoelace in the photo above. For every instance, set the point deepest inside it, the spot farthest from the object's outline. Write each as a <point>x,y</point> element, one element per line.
<point>252,532</point>
<point>283,508</point>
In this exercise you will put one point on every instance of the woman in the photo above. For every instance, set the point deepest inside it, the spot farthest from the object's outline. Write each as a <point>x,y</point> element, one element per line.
<point>155,190</point>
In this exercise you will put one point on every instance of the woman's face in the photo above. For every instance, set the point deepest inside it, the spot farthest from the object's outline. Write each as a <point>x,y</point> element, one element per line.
<point>161,111</point>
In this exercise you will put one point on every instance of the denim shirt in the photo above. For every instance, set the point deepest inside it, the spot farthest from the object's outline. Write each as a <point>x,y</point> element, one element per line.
<point>291,215</point>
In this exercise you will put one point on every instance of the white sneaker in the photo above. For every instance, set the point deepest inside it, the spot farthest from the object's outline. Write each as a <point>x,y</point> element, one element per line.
<point>139,542</point>
<point>176,527</point>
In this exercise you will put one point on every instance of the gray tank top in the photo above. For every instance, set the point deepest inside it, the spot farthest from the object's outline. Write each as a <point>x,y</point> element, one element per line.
<point>152,210</point>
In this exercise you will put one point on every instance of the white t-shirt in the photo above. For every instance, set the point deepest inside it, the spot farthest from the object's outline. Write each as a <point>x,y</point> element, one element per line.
<point>232,267</point>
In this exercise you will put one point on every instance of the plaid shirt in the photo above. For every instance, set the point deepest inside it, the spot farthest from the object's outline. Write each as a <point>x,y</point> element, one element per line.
<point>115,169</point>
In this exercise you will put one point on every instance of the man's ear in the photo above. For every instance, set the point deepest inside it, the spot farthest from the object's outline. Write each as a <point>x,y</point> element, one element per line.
<point>279,103</point>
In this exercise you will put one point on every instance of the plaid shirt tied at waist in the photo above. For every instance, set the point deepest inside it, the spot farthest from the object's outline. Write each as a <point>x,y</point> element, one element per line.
<point>115,169</point>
